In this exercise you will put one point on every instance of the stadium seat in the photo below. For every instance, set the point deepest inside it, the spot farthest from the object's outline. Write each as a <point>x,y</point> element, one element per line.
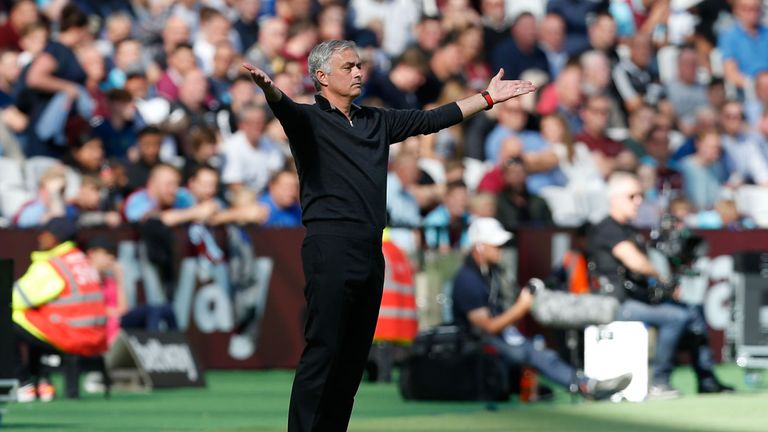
<point>752,201</point>
<point>11,199</point>
<point>11,173</point>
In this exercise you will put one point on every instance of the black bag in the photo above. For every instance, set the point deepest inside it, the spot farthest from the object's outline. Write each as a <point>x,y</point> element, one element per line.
<point>447,363</point>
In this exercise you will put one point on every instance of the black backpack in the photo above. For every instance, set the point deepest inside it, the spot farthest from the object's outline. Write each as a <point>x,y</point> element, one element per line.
<point>449,363</point>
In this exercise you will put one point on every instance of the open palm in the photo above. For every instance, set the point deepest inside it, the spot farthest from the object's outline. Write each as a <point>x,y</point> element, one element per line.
<point>501,90</point>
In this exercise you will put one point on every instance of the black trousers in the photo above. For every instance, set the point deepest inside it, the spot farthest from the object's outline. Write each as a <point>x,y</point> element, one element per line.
<point>344,281</point>
<point>30,349</point>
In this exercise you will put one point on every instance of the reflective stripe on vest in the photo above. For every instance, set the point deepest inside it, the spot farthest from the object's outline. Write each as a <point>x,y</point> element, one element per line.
<point>391,312</point>
<point>62,267</point>
<point>23,295</point>
<point>80,298</point>
<point>92,321</point>
<point>398,287</point>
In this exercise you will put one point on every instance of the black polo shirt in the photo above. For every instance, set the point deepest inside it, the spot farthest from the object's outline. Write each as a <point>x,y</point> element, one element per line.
<point>342,163</point>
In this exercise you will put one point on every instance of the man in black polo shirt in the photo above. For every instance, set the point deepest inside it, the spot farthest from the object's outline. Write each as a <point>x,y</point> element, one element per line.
<point>341,152</point>
<point>627,273</point>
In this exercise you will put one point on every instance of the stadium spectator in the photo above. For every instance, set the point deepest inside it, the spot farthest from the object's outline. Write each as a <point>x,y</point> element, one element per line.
<point>90,208</point>
<point>703,172</point>
<point>57,308</point>
<point>495,23</point>
<point>331,22</point>
<point>128,57</point>
<point>602,36</point>
<point>516,205</point>
<point>397,88</point>
<point>247,24</point>
<point>634,81</point>
<point>607,153</point>
<point>658,150</point>
<point>22,14</point>
<point>49,203</point>
<point>428,34</point>
<point>685,93</point>
<point>596,73</point>
<point>746,162</point>
<point>9,73</point>
<point>564,95</point>
<point>145,156</point>
<point>520,52</point>
<point>405,199</point>
<point>119,129</point>
<point>181,61</point>
<point>540,160</point>
<point>445,64</point>
<point>552,42</point>
<point>95,71</point>
<point>273,33</point>
<point>193,108</point>
<point>473,51</point>
<point>282,200</point>
<point>745,45</point>
<point>53,84</point>
<point>203,150</point>
<point>755,106</point>
<point>220,76</point>
<point>477,305</point>
<point>445,227</point>
<point>241,93</point>
<point>250,157</point>
<point>86,154</point>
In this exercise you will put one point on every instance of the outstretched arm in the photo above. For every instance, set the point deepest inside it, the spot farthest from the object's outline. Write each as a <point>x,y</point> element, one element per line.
<point>272,93</point>
<point>499,90</point>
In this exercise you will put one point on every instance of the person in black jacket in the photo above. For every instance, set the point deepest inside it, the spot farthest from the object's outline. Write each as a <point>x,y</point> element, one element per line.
<point>341,152</point>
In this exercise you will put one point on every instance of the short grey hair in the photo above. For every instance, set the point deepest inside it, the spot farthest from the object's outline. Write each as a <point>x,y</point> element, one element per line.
<point>618,180</point>
<point>320,57</point>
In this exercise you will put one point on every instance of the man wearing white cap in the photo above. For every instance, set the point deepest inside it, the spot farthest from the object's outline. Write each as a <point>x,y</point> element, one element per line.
<point>477,304</point>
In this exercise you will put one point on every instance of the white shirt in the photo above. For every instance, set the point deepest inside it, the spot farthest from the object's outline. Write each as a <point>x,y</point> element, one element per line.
<point>250,165</point>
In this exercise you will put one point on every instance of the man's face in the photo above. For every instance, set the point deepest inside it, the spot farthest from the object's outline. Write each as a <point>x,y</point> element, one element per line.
<point>626,202</point>
<point>732,119</point>
<point>491,254</point>
<point>456,201</point>
<point>100,259</point>
<point>596,114</point>
<point>708,148</point>
<point>91,154</point>
<point>748,12</point>
<point>552,32</point>
<point>524,32</point>
<point>345,78</point>
<point>602,33</point>
<point>252,125</point>
<point>149,147</point>
<point>163,186</point>
<point>204,185</point>
<point>285,190</point>
<point>687,65</point>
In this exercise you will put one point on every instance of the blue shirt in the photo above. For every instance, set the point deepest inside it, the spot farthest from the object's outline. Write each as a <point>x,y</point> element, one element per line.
<point>532,142</point>
<point>750,53</point>
<point>32,213</point>
<point>139,204</point>
<point>281,217</point>
<point>437,230</point>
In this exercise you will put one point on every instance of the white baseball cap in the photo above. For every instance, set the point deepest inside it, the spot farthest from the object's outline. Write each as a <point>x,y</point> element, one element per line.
<point>489,231</point>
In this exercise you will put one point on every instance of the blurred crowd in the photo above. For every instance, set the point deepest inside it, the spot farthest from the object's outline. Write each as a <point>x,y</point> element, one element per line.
<point>118,111</point>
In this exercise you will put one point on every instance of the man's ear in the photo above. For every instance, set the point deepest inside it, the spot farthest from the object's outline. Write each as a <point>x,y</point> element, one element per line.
<point>322,78</point>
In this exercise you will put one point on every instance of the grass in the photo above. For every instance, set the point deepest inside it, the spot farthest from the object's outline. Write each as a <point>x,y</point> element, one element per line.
<point>242,401</point>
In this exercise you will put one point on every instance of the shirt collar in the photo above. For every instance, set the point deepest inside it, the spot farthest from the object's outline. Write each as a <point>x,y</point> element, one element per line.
<point>57,251</point>
<point>325,105</point>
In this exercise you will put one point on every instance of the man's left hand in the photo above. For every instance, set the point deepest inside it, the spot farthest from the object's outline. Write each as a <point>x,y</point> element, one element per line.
<point>501,90</point>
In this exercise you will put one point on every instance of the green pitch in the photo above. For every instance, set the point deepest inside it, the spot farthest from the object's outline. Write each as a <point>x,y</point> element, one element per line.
<point>257,401</point>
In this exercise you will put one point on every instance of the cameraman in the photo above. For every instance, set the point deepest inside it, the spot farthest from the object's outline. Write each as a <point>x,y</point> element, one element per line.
<point>477,306</point>
<point>626,272</point>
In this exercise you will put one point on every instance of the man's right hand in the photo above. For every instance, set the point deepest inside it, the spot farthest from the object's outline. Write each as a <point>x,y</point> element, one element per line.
<point>258,76</point>
<point>272,93</point>
<point>525,299</point>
